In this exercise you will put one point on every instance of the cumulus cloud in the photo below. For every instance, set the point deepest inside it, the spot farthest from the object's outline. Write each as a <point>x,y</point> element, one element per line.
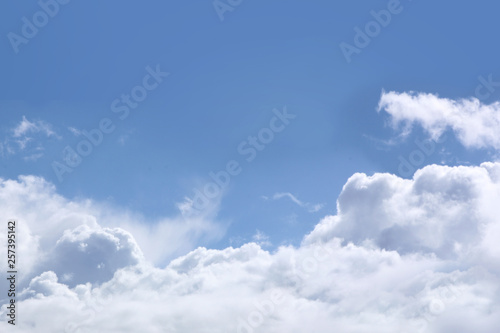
<point>87,254</point>
<point>261,239</point>
<point>401,255</point>
<point>51,225</point>
<point>442,210</point>
<point>475,124</point>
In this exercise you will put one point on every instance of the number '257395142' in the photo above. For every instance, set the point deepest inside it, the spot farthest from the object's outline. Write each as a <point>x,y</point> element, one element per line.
<point>11,272</point>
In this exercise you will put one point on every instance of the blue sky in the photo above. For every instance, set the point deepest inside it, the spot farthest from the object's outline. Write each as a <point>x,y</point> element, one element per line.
<point>211,155</point>
<point>225,79</point>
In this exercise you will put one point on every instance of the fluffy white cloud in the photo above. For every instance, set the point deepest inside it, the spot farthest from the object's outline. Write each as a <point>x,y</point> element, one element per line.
<point>475,124</point>
<point>50,225</point>
<point>93,255</point>
<point>417,255</point>
<point>441,210</point>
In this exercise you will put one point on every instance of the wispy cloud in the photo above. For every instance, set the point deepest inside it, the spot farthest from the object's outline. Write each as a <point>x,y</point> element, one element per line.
<point>33,157</point>
<point>123,138</point>
<point>312,208</point>
<point>26,127</point>
<point>25,138</point>
<point>386,144</point>
<point>261,239</point>
<point>74,131</point>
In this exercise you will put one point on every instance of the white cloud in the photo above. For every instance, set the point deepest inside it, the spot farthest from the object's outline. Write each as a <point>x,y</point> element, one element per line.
<point>74,131</point>
<point>261,239</point>
<point>417,255</point>
<point>26,127</point>
<point>475,124</point>
<point>125,137</point>
<point>52,223</point>
<point>33,157</point>
<point>122,139</point>
<point>442,210</point>
<point>89,254</point>
<point>312,208</point>
<point>26,139</point>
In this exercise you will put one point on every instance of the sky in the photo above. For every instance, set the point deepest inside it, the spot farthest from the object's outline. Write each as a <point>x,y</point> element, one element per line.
<point>238,166</point>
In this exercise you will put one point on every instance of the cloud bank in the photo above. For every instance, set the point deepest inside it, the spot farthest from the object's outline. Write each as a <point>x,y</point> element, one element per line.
<point>401,255</point>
